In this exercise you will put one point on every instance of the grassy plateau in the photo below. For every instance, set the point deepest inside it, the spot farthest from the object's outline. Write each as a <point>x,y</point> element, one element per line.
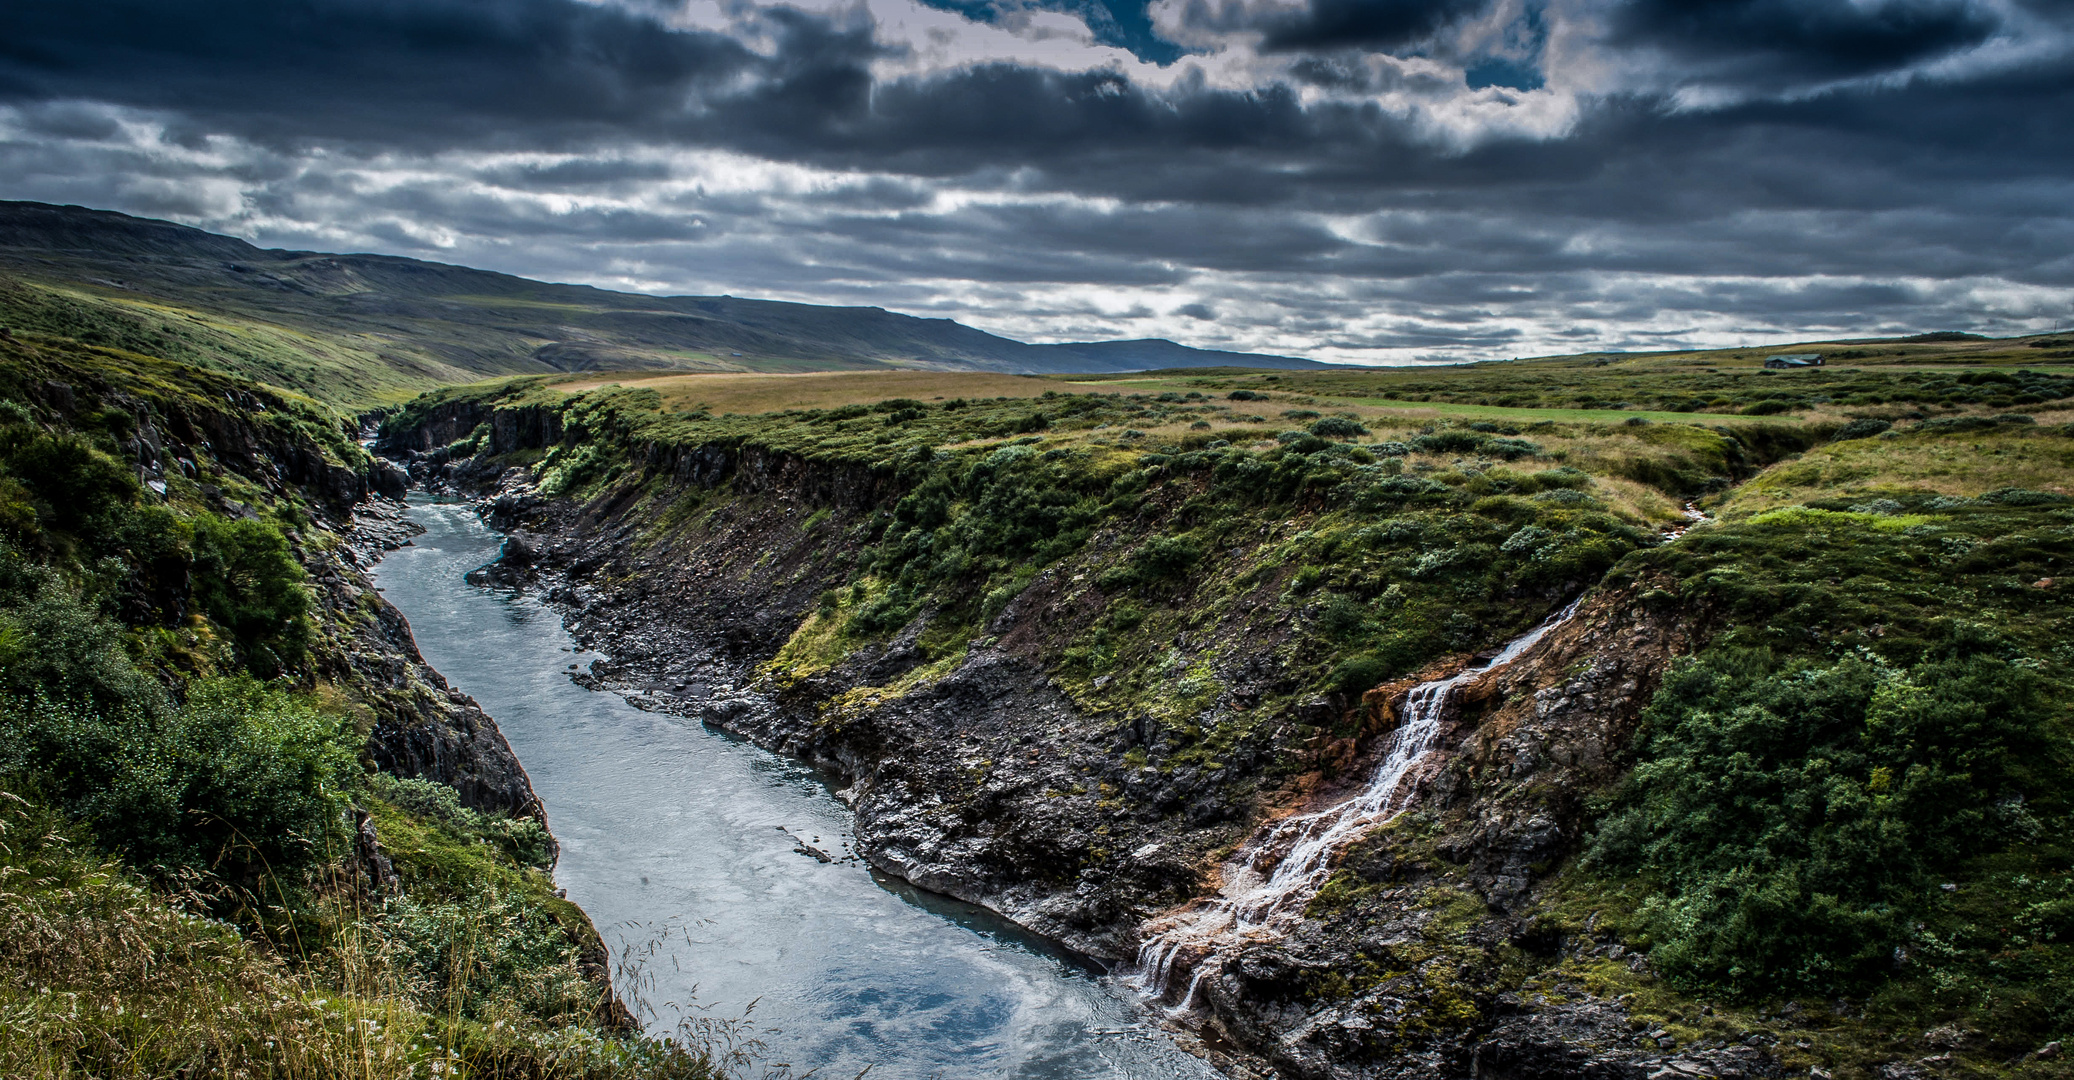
<point>1840,828</point>
<point>1841,825</point>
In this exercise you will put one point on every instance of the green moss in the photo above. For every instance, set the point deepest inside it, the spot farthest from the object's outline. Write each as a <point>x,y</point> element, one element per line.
<point>1349,565</point>
<point>978,519</point>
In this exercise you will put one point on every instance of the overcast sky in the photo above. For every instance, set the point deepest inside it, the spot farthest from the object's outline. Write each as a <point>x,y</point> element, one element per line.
<point>1374,181</point>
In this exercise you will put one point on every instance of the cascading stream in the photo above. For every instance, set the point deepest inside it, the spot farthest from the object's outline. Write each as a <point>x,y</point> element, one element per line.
<point>1271,880</point>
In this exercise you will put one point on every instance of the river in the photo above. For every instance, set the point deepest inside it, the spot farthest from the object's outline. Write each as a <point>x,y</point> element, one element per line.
<point>684,844</point>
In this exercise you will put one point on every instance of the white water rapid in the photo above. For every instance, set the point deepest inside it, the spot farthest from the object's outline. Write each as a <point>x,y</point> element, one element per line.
<point>1268,883</point>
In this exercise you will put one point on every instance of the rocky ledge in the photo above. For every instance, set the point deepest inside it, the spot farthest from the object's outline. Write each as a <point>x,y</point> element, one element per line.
<point>985,783</point>
<point>983,779</point>
<point>1434,952</point>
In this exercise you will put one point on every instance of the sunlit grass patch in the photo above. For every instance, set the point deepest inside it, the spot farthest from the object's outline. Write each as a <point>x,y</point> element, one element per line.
<point>1637,501</point>
<point>1530,415</point>
<point>821,641</point>
<point>1956,465</point>
<point>770,393</point>
<point>337,368</point>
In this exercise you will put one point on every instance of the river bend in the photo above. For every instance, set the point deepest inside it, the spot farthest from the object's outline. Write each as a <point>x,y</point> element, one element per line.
<point>687,845</point>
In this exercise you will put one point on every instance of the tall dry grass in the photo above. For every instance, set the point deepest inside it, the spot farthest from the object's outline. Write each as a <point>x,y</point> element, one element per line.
<point>105,975</point>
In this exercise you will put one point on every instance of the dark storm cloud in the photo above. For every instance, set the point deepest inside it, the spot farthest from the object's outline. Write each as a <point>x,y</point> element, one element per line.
<point>545,73</point>
<point>557,73</point>
<point>1372,24</point>
<point>383,70</point>
<point>1804,40</point>
<point>1331,200</point>
<point>1003,114</point>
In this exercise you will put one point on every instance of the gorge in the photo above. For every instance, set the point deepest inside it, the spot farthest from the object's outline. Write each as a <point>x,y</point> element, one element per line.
<point>1375,740</point>
<point>728,871</point>
<point>1065,675</point>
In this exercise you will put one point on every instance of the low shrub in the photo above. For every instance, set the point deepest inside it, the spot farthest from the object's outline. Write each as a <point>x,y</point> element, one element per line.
<point>1337,427</point>
<point>1861,429</point>
<point>247,580</point>
<point>238,772</point>
<point>1360,673</point>
<point>523,838</point>
<point>1161,559</point>
<point>1798,816</point>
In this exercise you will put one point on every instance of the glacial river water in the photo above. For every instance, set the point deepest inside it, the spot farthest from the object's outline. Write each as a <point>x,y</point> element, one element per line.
<point>682,843</point>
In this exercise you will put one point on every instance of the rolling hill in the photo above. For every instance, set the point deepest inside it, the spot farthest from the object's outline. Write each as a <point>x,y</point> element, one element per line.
<point>362,329</point>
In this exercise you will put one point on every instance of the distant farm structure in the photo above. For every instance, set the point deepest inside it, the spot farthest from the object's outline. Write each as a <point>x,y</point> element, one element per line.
<point>1794,360</point>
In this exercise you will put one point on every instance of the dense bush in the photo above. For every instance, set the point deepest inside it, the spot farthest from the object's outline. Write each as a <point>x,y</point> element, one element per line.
<point>1301,442</point>
<point>1337,427</point>
<point>1361,672</point>
<point>236,772</point>
<point>59,494</point>
<point>1798,816</point>
<point>247,580</point>
<point>1160,559</point>
<point>56,644</point>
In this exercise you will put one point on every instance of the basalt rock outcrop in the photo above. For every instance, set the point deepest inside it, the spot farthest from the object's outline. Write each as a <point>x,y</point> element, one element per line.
<point>980,776</point>
<point>450,421</point>
<point>193,437</point>
<point>1397,972</point>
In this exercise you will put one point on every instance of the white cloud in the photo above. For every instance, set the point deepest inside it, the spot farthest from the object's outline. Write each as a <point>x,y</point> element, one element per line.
<point>1360,267</point>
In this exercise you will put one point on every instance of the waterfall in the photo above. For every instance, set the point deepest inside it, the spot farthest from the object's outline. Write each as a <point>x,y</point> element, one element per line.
<point>1269,882</point>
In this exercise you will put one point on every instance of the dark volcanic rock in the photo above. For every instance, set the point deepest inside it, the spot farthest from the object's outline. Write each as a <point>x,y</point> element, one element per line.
<point>986,781</point>
<point>421,726</point>
<point>984,784</point>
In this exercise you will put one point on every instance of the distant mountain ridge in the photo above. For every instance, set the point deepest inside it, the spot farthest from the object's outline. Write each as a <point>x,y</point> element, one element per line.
<point>396,323</point>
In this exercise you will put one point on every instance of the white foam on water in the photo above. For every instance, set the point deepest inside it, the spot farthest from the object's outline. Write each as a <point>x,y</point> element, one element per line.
<point>1269,882</point>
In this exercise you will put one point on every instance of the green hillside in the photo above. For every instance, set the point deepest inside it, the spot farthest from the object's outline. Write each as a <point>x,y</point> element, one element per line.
<point>359,330</point>
<point>203,872</point>
<point>1788,795</point>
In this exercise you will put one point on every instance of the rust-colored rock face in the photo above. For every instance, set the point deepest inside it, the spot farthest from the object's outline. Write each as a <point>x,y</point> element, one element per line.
<point>1488,813</point>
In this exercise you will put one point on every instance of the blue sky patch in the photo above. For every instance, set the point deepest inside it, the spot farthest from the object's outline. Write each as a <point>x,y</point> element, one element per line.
<point>1122,23</point>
